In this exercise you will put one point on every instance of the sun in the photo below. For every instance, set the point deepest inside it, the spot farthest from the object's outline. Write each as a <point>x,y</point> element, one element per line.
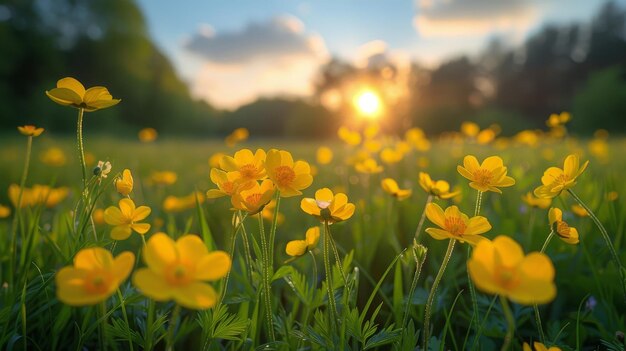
<point>368,103</point>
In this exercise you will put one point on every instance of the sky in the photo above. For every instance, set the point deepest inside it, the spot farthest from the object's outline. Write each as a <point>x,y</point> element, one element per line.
<point>231,52</point>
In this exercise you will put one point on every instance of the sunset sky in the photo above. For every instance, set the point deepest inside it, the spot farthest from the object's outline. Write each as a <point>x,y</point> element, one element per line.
<point>232,52</point>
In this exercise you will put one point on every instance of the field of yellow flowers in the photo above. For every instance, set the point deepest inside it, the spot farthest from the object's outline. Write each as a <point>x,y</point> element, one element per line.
<point>472,241</point>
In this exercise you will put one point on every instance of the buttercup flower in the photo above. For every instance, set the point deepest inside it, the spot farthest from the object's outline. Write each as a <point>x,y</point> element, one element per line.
<point>300,247</point>
<point>178,204</point>
<point>94,277</point>
<point>488,176</point>
<point>125,219</point>
<point>456,225</point>
<point>439,188</point>
<point>532,201</point>
<point>500,267</point>
<point>391,187</point>
<point>54,157</point>
<point>289,177</point>
<point>38,194</point>
<point>238,135</point>
<point>368,166</point>
<point>30,130</point>
<point>124,185</point>
<point>579,211</point>
<point>558,120</point>
<point>5,211</point>
<point>164,178</point>
<point>539,347</point>
<point>178,271</point>
<point>328,207</point>
<point>348,136</point>
<point>147,135</point>
<point>254,199</point>
<point>70,92</point>
<point>249,166</point>
<point>324,155</point>
<point>227,183</point>
<point>555,180</point>
<point>561,228</point>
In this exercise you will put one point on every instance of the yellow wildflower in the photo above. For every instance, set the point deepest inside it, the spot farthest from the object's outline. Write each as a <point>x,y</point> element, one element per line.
<point>456,225</point>
<point>533,201</point>
<point>254,199</point>
<point>470,129</point>
<point>178,271</point>
<point>54,157</point>
<point>328,207</point>
<point>94,277</point>
<point>324,155</point>
<point>368,166</point>
<point>164,177</point>
<point>349,137</point>
<point>289,177</point>
<point>439,188</point>
<point>125,219</point>
<point>300,247</point>
<point>500,267</point>
<point>124,184</point>
<point>249,166</point>
<point>147,135</point>
<point>98,216</point>
<point>555,179</point>
<point>5,211</point>
<point>391,187</point>
<point>30,130</point>
<point>238,135</point>
<point>214,160</point>
<point>227,183</point>
<point>37,195</point>
<point>558,120</point>
<point>579,211</point>
<point>173,204</point>
<point>488,176</point>
<point>70,92</point>
<point>539,347</point>
<point>391,156</point>
<point>561,228</point>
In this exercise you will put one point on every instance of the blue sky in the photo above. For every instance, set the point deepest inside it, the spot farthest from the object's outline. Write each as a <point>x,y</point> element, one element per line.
<point>232,52</point>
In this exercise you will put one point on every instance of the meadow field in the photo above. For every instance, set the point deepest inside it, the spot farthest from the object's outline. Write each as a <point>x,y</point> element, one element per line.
<point>85,266</point>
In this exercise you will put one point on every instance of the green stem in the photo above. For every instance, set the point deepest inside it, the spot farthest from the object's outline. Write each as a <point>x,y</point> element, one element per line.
<point>123,305</point>
<point>510,321</point>
<point>418,230</point>
<point>81,150</point>
<point>267,292</point>
<point>416,275</point>
<point>607,239</point>
<point>246,246</point>
<point>470,284</point>
<point>273,230</point>
<point>172,327</point>
<point>336,253</point>
<point>329,279</point>
<point>542,336</point>
<point>433,290</point>
<point>18,211</point>
<point>314,278</point>
<point>548,239</point>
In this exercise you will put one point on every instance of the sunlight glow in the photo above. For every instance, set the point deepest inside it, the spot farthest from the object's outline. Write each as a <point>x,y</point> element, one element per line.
<point>368,103</point>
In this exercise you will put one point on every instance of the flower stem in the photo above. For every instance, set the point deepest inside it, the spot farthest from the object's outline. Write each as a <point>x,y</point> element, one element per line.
<point>548,239</point>
<point>314,278</point>
<point>329,279</point>
<point>433,291</point>
<point>418,230</point>
<point>18,211</point>
<point>510,321</point>
<point>81,150</point>
<point>416,275</point>
<point>607,239</point>
<point>123,305</point>
<point>470,284</point>
<point>172,327</point>
<point>273,230</point>
<point>267,292</point>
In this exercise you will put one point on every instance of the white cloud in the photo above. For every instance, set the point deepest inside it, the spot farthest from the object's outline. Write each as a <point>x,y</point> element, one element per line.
<point>276,57</point>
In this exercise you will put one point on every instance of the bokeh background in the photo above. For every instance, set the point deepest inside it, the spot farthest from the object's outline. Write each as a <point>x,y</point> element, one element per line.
<point>297,69</point>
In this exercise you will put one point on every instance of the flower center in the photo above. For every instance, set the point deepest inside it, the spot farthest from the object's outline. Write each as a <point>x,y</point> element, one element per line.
<point>248,170</point>
<point>561,179</point>
<point>253,199</point>
<point>284,175</point>
<point>228,187</point>
<point>455,225</point>
<point>507,277</point>
<point>483,176</point>
<point>98,282</point>
<point>562,229</point>
<point>179,273</point>
<point>322,204</point>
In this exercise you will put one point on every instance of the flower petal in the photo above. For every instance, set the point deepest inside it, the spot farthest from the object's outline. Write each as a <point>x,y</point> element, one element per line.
<point>477,225</point>
<point>196,296</point>
<point>436,215</point>
<point>93,258</point>
<point>191,247</point>
<point>73,85</point>
<point>152,285</point>
<point>159,252</point>
<point>213,266</point>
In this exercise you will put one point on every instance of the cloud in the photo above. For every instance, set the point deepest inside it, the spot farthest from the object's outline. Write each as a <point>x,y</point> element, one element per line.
<point>271,58</point>
<point>446,18</point>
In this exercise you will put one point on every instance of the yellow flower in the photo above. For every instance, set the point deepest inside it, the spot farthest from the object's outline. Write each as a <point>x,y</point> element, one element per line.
<point>416,138</point>
<point>125,219</point>
<point>214,160</point>
<point>456,225</point>
<point>37,195</point>
<point>124,184</point>
<point>368,166</point>
<point>98,216</point>
<point>470,129</point>
<point>178,271</point>
<point>439,188</point>
<point>328,207</point>
<point>254,199</point>
<point>488,176</point>
<point>612,195</point>
<point>227,183</point>
<point>300,247</point>
<point>94,277</point>
<point>532,201</point>
<point>390,156</point>
<point>147,135</point>
<point>164,178</point>
<point>558,120</point>
<point>289,177</point>
<point>348,136</point>
<point>30,130</point>
<point>555,180</point>
<point>579,211</point>
<point>238,135</point>
<point>5,211</point>
<point>324,155</point>
<point>561,228</point>
<point>485,136</point>
<point>500,267</point>
<point>249,166</point>
<point>372,145</point>
<point>178,204</point>
<point>539,347</point>
<point>70,92</point>
<point>391,187</point>
<point>54,157</point>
